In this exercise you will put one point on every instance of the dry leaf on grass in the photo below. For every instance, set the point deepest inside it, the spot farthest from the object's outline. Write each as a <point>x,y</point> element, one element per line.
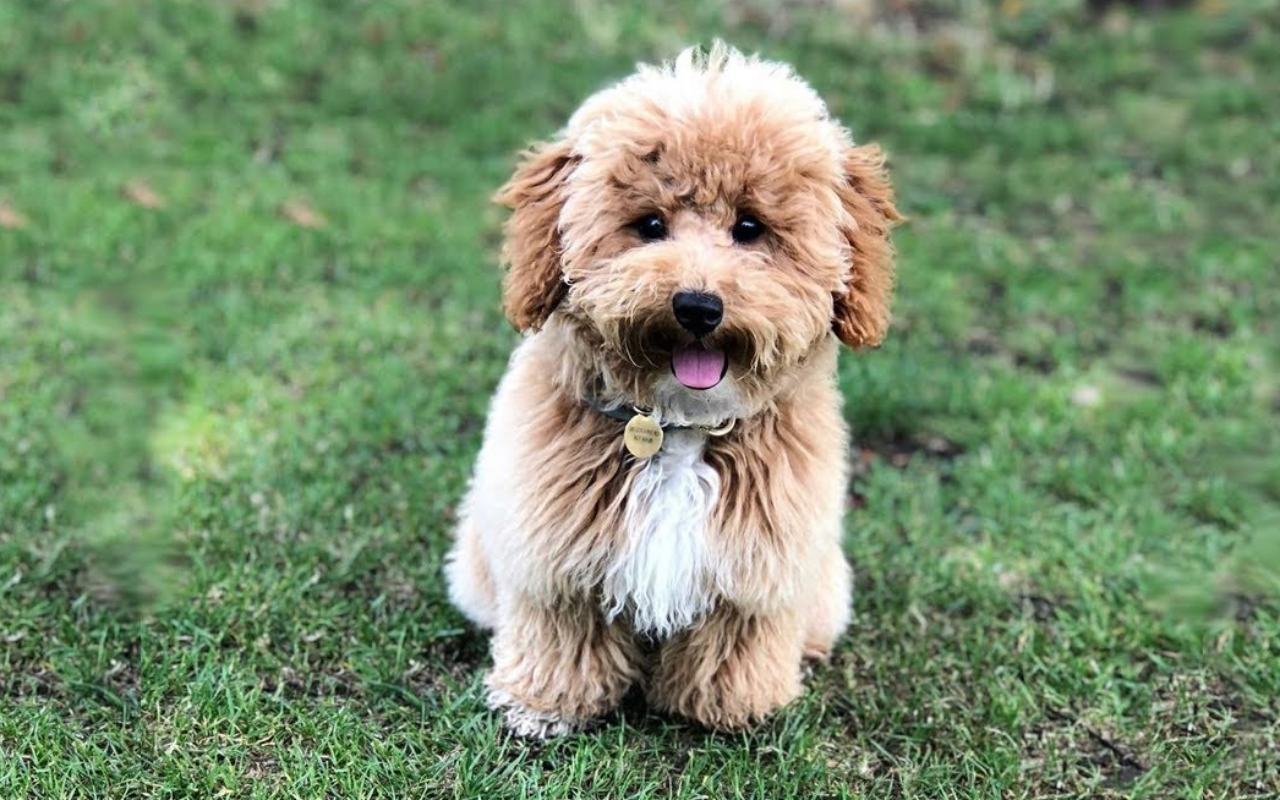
<point>302,214</point>
<point>141,194</point>
<point>1086,396</point>
<point>11,218</point>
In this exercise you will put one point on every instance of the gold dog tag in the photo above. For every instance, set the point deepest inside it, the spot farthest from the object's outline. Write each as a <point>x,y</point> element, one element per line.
<point>643,436</point>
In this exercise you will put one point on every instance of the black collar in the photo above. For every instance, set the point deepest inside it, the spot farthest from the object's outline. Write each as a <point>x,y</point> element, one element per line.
<point>625,415</point>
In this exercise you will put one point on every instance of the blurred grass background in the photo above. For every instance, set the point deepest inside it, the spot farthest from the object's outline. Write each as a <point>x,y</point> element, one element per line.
<point>249,324</point>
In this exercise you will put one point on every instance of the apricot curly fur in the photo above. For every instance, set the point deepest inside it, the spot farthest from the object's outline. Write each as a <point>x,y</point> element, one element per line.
<point>552,511</point>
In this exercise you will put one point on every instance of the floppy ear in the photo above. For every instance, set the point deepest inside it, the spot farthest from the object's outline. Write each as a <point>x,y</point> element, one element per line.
<point>533,286</point>
<point>861,314</point>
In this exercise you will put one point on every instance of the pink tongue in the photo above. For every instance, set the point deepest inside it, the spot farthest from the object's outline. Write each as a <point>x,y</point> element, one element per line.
<point>697,367</point>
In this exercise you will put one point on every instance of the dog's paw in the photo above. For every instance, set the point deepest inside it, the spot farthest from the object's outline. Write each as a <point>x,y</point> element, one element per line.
<point>529,723</point>
<point>731,699</point>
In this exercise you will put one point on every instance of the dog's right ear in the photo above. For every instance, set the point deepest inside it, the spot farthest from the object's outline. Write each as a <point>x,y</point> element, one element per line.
<point>533,285</point>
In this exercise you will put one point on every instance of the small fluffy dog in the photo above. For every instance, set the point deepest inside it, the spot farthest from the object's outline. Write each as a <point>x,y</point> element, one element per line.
<point>659,495</point>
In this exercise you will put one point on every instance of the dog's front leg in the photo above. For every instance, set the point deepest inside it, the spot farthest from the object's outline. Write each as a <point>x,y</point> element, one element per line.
<point>730,670</point>
<point>558,665</point>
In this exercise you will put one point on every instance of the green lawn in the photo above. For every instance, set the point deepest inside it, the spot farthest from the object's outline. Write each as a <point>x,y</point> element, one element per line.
<point>249,325</point>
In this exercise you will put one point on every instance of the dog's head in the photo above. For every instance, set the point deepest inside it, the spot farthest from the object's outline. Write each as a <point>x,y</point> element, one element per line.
<point>703,227</point>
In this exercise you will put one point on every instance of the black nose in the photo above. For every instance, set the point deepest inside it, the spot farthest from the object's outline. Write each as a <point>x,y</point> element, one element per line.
<point>697,312</point>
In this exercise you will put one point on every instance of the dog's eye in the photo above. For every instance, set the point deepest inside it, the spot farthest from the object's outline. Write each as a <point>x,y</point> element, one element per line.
<point>747,229</point>
<point>651,227</point>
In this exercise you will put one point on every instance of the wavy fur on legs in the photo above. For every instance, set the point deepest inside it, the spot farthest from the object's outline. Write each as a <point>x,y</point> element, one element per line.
<point>558,667</point>
<point>732,669</point>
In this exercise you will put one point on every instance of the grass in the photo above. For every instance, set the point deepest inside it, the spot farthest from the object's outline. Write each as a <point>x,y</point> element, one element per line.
<point>249,324</point>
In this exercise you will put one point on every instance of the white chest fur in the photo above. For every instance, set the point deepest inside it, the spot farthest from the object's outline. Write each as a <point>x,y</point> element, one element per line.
<point>662,573</point>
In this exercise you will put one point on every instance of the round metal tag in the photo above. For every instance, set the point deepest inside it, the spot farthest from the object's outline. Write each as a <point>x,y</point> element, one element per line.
<point>643,436</point>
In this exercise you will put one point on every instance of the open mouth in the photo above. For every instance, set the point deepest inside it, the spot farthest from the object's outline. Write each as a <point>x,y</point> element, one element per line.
<point>698,367</point>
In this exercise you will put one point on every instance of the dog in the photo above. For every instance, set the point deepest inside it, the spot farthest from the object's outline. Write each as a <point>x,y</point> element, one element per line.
<point>658,498</point>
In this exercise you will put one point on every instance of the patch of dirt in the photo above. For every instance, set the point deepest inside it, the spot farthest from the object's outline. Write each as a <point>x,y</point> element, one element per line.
<point>1098,6</point>
<point>1139,376</point>
<point>122,678</point>
<point>898,450</point>
<point>1120,767</point>
<point>12,83</point>
<point>983,343</point>
<point>1072,754</point>
<point>37,682</point>
<point>245,22</point>
<point>1247,608</point>
<point>1078,754</point>
<point>1039,607</point>
<point>309,86</point>
<point>1220,326</point>
<point>466,651</point>
<point>1184,698</point>
<point>1042,363</point>
<point>338,682</point>
<point>262,766</point>
<point>398,591</point>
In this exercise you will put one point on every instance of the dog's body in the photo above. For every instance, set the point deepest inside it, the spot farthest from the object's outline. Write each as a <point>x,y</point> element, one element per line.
<point>709,570</point>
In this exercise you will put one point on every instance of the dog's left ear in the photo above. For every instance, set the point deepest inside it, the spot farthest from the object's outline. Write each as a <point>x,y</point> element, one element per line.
<point>861,312</point>
<point>533,285</point>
